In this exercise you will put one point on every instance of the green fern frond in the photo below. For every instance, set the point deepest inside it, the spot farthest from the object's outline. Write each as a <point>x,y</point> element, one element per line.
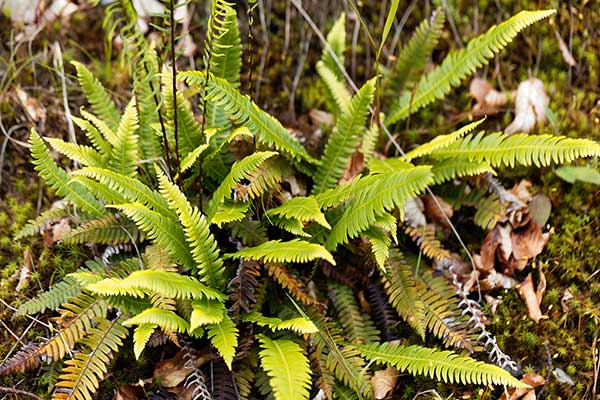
<point>50,299</point>
<point>124,154</point>
<point>461,63</point>
<point>380,245</point>
<point>413,57</point>
<point>349,368</point>
<point>425,237</point>
<point>224,336</point>
<point>133,190</point>
<point>400,285</point>
<point>442,141</point>
<point>299,325</point>
<point>189,131</point>
<point>165,283</point>
<point>97,96</point>
<point>377,166</point>
<point>287,366</point>
<point>296,250</point>
<point>58,179</point>
<point>453,168</point>
<point>105,230</point>
<point>244,111</point>
<point>189,160</point>
<point>489,212</point>
<point>197,231</point>
<point>164,231</point>
<point>81,376</point>
<point>499,149</point>
<point>205,312</point>
<point>239,171</point>
<point>94,136</point>
<point>83,154</point>
<point>34,226</point>
<point>264,178</point>
<point>101,126</point>
<point>357,325</point>
<point>370,140</point>
<point>336,38</point>
<point>292,226</point>
<point>141,336</point>
<point>304,209</point>
<point>251,233</point>
<point>344,139</point>
<point>230,212</point>
<point>165,319</point>
<point>145,88</point>
<point>336,89</point>
<point>445,366</point>
<point>372,196</point>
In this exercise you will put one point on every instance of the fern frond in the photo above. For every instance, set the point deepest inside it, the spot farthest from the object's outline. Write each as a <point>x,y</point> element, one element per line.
<point>165,283</point>
<point>101,126</point>
<point>239,171</point>
<point>400,285</point>
<point>189,130</point>
<point>166,319</point>
<point>230,212</point>
<point>145,88</point>
<point>337,90</point>
<point>164,231</point>
<point>97,96</point>
<point>141,336</point>
<point>380,246</point>
<point>224,336</point>
<point>42,221</point>
<point>133,190</point>
<point>264,178</point>
<point>206,312</point>
<point>92,133</point>
<point>442,141</point>
<point>424,237</point>
<point>347,366</point>
<point>51,298</point>
<point>124,155</point>
<point>377,166</point>
<point>296,288</point>
<point>287,366</point>
<point>197,231</point>
<point>344,139</point>
<point>499,149</point>
<point>189,160</point>
<point>58,179</point>
<point>105,230</point>
<point>336,38</point>
<point>81,376</point>
<point>83,154</point>
<point>372,196</point>
<point>445,366</point>
<point>357,325</point>
<point>299,325</point>
<point>244,111</point>
<point>413,57</point>
<point>489,212</point>
<point>303,209</point>
<point>453,168</point>
<point>295,250</point>
<point>371,140</point>
<point>462,63</point>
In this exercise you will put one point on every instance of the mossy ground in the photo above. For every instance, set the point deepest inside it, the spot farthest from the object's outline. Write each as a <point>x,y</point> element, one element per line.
<point>570,262</point>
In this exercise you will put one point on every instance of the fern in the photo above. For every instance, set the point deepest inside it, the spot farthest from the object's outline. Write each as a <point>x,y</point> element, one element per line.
<point>94,136</point>
<point>188,129</point>
<point>344,140</point>
<point>105,230</point>
<point>141,336</point>
<point>266,129</point>
<point>224,336</point>
<point>51,298</point>
<point>168,284</point>
<point>296,250</point>
<point>166,319</point>
<point>462,63</point>
<point>374,195</point>
<point>203,244</point>
<point>291,283</point>
<point>413,57</point>
<point>299,325</point>
<point>206,312</point>
<point>42,221</point>
<point>125,147</point>
<point>380,245</point>
<point>287,366</point>
<point>499,149</point>
<point>441,365</point>
<point>336,39</point>
<point>357,325</point>
<point>337,90</point>
<point>97,96</point>
<point>303,209</point>
<point>453,168</point>
<point>83,154</point>
<point>81,376</point>
<point>59,180</point>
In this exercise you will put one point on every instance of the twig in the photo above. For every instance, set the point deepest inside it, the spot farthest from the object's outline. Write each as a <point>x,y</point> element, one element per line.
<point>550,368</point>
<point>174,87</point>
<point>19,392</point>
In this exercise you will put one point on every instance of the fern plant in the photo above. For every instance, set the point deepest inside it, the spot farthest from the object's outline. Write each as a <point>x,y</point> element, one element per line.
<point>245,264</point>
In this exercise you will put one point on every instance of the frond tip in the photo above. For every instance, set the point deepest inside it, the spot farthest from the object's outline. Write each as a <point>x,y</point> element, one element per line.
<point>277,251</point>
<point>445,366</point>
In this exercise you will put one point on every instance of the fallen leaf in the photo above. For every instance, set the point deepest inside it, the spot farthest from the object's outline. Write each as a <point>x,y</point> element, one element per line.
<point>531,101</point>
<point>355,167</point>
<point>32,108</point>
<point>527,243</point>
<point>528,294</point>
<point>540,208</point>
<point>488,99</point>
<point>25,273</point>
<point>129,392</point>
<point>384,381</point>
<point>497,280</point>
<point>565,301</point>
<point>563,377</point>
<point>433,211</point>
<point>171,372</point>
<point>60,229</point>
<point>541,286</point>
<point>319,118</point>
<point>533,380</point>
<point>413,213</point>
<point>492,302</point>
<point>521,190</point>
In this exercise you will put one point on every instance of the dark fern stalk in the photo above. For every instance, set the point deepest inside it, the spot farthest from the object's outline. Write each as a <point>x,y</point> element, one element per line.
<point>174,83</point>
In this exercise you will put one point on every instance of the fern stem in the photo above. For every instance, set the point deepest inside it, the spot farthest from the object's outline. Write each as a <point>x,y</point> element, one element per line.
<point>174,84</point>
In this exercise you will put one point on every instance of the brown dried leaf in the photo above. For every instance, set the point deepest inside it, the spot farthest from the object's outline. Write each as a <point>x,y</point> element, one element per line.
<point>129,392</point>
<point>488,99</point>
<point>25,273</point>
<point>527,243</point>
<point>527,293</point>
<point>565,301</point>
<point>532,379</point>
<point>318,118</point>
<point>384,381</point>
<point>31,106</point>
<point>171,372</point>
<point>531,101</point>
<point>60,229</point>
<point>355,167</point>
<point>433,211</point>
<point>521,190</point>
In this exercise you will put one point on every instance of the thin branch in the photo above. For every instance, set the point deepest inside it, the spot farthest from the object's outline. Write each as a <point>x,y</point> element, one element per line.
<point>174,85</point>
<point>19,392</point>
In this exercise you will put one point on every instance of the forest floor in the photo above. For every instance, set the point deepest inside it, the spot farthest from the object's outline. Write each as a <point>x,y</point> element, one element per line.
<point>563,347</point>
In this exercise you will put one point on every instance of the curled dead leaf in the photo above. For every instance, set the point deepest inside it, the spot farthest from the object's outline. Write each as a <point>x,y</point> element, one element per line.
<point>355,167</point>
<point>25,273</point>
<point>32,107</point>
<point>521,190</point>
<point>533,380</point>
<point>384,381</point>
<point>528,294</point>
<point>531,101</point>
<point>489,100</point>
